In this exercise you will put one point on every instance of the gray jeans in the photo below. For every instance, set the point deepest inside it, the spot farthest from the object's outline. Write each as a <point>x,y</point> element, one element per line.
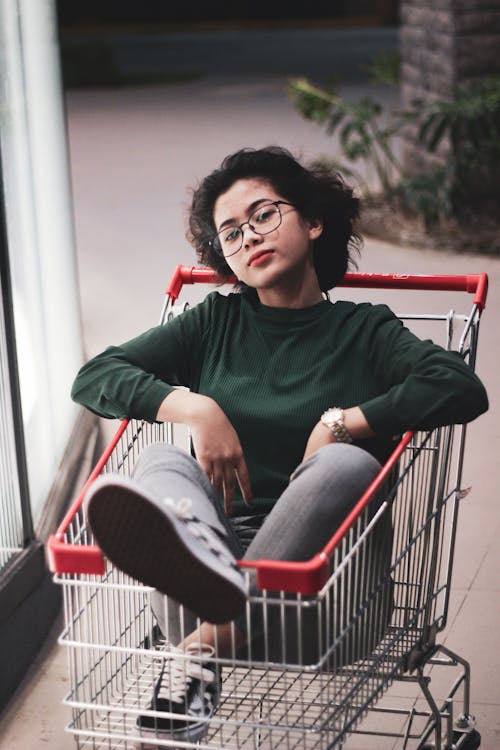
<point>322,491</point>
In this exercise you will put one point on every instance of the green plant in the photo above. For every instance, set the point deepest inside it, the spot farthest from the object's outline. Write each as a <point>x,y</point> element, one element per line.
<point>466,127</point>
<point>469,127</point>
<point>386,68</point>
<point>363,135</point>
<point>472,117</point>
<point>428,194</point>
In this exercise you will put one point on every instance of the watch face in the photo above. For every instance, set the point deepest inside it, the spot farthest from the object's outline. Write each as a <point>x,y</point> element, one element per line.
<point>332,416</point>
<point>335,414</point>
<point>334,419</point>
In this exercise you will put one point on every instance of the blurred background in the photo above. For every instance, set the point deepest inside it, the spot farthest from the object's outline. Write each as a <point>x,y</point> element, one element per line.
<point>109,113</point>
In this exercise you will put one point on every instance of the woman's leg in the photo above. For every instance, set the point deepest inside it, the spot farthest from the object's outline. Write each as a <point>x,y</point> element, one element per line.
<point>169,471</point>
<point>164,527</point>
<point>163,467</point>
<point>322,492</point>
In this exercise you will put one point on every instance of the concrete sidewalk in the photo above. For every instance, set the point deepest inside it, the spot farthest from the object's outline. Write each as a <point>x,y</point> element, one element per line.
<point>133,154</point>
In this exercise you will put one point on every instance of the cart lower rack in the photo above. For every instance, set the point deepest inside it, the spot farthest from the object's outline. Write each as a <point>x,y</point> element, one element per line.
<point>334,633</point>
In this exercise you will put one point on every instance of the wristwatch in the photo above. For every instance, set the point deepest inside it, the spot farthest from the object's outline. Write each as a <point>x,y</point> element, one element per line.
<point>334,419</point>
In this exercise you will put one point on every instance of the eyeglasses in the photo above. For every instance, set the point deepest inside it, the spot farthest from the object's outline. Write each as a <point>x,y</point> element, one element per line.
<point>265,219</point>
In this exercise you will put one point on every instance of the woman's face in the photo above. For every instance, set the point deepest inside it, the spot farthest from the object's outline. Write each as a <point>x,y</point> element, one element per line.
<point>271,261</point>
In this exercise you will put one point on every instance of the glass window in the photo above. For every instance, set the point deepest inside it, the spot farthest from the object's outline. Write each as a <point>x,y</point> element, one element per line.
<point>40,236</point>
<point>11,525</point>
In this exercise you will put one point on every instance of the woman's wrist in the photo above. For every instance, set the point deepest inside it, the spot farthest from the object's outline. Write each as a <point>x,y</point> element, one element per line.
<point>183,407</point>
<point>356,424</point>
<point>346,425</point>
<point>333,419</point>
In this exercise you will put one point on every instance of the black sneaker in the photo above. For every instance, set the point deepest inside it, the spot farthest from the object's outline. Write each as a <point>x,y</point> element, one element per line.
<point>153,639</point>
<point>188,690</point>
<point>161,543</point>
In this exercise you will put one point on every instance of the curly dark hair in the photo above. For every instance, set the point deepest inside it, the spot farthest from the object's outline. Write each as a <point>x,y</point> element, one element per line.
<point>316,193</point>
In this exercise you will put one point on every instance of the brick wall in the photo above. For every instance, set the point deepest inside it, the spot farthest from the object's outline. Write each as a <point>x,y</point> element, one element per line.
<point>445,43</point>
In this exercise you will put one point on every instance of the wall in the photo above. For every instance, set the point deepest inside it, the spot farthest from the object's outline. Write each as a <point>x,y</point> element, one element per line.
<point>444,44</point>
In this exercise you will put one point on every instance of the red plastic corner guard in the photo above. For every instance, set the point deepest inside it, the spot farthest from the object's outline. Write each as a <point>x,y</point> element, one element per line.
<point>191,275</point>
<point>307,577</point>
<point>63,557</point>
<point>481,291</point>
<point>74,558</point>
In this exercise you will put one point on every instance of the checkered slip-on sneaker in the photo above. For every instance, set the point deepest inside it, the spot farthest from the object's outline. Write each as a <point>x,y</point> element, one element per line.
<point>187,693</point>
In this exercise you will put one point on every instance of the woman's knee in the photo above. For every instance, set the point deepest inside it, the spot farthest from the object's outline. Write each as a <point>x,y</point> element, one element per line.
<point>161,452</point>
<point>341,463</point>
<point>158,456</point>
<point>164,459</point>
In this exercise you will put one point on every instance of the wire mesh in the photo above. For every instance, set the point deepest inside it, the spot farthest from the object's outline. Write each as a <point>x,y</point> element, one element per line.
<point>312,667</point>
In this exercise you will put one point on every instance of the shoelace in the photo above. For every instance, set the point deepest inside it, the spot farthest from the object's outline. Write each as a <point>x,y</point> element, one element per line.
<point>178,672</point>
<point>203,532</point>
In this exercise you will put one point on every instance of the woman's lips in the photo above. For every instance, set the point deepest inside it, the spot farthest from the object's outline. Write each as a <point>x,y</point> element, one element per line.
<point>258,258</point>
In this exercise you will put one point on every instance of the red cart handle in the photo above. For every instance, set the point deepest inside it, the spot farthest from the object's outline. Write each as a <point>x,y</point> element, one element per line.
<point>476,284</point>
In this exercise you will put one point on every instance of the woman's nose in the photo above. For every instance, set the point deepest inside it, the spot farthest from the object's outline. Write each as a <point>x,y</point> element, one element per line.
<point>250,236</point>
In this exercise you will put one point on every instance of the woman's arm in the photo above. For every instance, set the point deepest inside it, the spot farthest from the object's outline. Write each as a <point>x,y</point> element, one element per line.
<point>422,385</point>
<point>131,380</point>
<point>139,378</point>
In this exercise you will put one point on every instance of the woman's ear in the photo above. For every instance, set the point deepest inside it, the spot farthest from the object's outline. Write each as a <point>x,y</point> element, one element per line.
<point>315,228</point>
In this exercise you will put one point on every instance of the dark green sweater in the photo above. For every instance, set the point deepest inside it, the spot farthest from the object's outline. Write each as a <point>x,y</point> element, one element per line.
<point>274,371</point>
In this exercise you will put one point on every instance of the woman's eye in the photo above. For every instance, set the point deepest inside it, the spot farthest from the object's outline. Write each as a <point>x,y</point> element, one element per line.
<point>262,216</point>
<point>232,235</point>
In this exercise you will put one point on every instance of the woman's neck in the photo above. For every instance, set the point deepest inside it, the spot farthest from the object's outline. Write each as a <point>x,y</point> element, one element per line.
<point>305,296</point>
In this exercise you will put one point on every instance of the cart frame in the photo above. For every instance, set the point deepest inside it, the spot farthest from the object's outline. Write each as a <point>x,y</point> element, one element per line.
<point>282,694</point>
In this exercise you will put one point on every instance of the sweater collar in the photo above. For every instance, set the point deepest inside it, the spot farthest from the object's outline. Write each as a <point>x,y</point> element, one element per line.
<point>288,315</point>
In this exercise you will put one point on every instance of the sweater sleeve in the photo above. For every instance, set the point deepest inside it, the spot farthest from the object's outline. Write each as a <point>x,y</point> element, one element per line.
<point>132,380</point>
<point>424,385</point>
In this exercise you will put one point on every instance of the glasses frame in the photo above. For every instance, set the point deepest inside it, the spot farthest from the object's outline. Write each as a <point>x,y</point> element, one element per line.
<point>215,242</point>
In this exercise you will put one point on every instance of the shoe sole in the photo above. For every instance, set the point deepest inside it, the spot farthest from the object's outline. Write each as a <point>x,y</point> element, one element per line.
<point>156,548</point>
<point>197,732</point>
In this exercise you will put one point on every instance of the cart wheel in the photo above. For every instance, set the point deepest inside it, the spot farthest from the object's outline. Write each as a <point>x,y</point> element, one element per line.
<point>472,741</point>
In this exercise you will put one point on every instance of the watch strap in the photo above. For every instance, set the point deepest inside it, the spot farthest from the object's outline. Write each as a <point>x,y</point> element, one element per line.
<point>334,419</point>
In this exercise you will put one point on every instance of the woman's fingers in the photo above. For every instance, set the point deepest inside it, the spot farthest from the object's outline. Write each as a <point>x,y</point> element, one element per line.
<point>219,453</point>
<point>244,480</point>
<point>223,476</point>
<point>216,477</point>
<point>229,480</point>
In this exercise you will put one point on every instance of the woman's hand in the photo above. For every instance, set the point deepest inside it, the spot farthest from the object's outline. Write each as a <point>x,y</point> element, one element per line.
<point>219,453</point>
<point>215,441</point>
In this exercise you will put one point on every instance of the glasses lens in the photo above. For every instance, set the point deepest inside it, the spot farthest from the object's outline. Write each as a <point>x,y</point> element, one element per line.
<point>265,219</point>
<point>228,241</point>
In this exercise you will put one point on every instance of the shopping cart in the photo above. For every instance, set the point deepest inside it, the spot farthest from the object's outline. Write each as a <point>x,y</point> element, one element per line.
<point>339,630</point>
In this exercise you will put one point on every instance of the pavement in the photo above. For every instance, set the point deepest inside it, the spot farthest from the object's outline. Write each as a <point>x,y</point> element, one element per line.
<point>134,153</point>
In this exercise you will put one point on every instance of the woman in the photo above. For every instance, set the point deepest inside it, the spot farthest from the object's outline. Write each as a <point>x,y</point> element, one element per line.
<point>293,404</point>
